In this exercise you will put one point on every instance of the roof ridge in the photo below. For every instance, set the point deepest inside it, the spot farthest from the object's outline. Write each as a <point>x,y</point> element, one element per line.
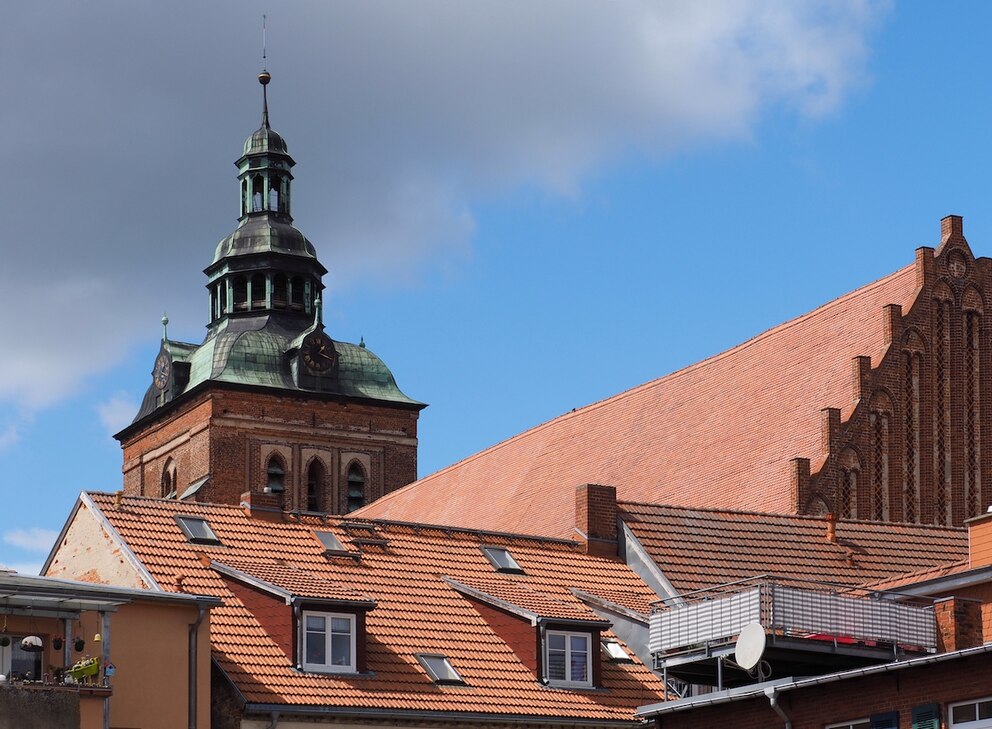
<point>575,412</point>
<point>808,517</point>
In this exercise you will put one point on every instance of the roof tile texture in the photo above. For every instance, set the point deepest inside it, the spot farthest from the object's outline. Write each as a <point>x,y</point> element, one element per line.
<point>416,611</point>
<point>703,548</point>
<point>717,434</point>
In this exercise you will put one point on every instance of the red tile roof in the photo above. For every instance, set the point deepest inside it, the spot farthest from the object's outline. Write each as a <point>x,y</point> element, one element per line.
<point>562,606</point>
<point>719,433</point>
<point>702,548</point>
<point>291,579</point>
<point>416,611</point>
<point>924,575</point>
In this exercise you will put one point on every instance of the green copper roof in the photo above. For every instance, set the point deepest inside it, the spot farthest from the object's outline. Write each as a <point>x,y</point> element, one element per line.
<point>265,234</point>
<point>265,140</point>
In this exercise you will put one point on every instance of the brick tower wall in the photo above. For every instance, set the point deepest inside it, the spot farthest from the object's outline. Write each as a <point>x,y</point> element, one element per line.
<point>230,435</point>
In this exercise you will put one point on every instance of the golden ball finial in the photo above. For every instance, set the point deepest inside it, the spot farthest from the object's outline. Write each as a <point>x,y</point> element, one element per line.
<point>264,77</point>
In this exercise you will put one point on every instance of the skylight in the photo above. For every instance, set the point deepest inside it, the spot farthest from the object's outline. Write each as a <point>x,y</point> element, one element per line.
<point>331,543</point>
<point>615,651</point>
<point>197,530</point>
<point>502,560</point>
<point>439,668</point>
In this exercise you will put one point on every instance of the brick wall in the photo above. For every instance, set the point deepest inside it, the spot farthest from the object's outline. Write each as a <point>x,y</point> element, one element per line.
<point>959,623</point>
<point>228,435</point>
<point>918,402</point>
<point>817,706</point>
<point>596,518</point>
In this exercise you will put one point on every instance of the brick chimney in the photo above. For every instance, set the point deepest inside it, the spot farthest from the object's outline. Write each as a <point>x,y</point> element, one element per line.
<point>262,506</point>
<point>596,518</point>
<point>980,540</point>
<point>959,623</point>
<point>831,528</point>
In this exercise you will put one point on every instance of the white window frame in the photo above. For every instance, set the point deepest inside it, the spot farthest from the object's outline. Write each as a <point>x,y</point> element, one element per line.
<point>850,724</point>
<point>328,667</point>
<point>977,723</point>
<point>568,635</point>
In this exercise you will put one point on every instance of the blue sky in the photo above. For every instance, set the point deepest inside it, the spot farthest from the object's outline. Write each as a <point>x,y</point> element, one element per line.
<point>525,207</point>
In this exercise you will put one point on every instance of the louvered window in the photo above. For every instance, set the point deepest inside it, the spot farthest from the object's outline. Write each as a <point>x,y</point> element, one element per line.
<point>888,720</point>
<point>926,716</point>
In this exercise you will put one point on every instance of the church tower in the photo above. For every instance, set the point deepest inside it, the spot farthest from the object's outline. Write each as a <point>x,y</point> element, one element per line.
<point>269,402</point>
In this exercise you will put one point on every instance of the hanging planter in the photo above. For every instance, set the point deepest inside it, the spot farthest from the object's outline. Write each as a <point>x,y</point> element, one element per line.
<point>57,643</point>
<point>4,641</point>
<point>32,644</point>
<point>79,644</point>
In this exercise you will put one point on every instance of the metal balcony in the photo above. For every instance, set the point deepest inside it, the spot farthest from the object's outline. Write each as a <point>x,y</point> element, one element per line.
<point>810,628</point>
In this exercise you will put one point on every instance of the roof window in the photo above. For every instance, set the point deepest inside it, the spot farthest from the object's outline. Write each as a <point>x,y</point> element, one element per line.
<point>615,652</point>
<point>502,560</point>
<point>197,530</point>
<point>439,668</point>
<point>331,543</point>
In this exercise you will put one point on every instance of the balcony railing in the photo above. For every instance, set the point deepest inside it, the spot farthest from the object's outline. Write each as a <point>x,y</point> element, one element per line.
<point>799,610</point>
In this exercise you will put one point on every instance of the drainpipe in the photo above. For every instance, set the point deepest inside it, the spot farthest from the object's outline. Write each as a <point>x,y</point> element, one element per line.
<point>772,695</point>
<point>194,631</point>
<point>275,721</point>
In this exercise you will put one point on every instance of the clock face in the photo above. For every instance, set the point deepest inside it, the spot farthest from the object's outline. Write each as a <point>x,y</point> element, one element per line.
<point>317,352</point>
<point>163,367</point>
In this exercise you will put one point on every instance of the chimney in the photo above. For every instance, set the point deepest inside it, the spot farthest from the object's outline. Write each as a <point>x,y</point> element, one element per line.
<point>596,518</point>
<point>262,506</point>
<point>980,540</point>
<point>959,623</point>
<point>831,528</point>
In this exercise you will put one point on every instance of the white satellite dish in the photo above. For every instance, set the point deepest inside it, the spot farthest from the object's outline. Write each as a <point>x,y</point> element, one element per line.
<point>750,646</point>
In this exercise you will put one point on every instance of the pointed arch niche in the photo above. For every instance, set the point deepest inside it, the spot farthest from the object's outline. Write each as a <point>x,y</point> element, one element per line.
<point>169,486</point>
<point>972,311</point>
<point>913,349</point>
<point>356,486</point>
<point>315,493</point>
<point>848,485</point>
<point>943,301</point>
<point>880,419</point>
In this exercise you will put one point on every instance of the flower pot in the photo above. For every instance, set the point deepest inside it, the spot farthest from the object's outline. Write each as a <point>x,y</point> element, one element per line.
<point>79,644</point>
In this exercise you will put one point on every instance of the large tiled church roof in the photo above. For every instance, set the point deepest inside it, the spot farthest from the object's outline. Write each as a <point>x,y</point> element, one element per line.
<point>719,433</point>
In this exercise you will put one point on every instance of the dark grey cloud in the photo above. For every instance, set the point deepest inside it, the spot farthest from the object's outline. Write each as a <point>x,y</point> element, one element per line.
<point>120,121</point>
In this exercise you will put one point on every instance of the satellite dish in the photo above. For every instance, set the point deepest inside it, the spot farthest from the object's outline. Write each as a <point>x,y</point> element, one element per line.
<point>750,646</point>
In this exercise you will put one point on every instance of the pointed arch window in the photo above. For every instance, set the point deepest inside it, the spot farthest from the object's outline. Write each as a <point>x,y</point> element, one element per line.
<point>275,475</point>
<point>257,186</point>
<point>274,194</point>
<point>356,486</point>
<point>169,481</point>
<point>316,477</point>
<point>244,197</point>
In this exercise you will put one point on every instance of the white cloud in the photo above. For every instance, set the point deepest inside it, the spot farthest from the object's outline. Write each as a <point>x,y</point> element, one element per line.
<point>33,539</point>
<point>117,412</point>
<point>402,116</point>
<point>9,436</point>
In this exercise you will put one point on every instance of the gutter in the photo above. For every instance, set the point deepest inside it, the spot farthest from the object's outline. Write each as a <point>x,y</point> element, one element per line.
<point>194,631</point>
<point>790,684</point>
<point>434,716</point>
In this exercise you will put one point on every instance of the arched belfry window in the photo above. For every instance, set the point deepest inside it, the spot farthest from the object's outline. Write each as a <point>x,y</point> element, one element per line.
<point>316,477</point>
<point>240,293</point>
<point>275,475</point>
<point>244,197</point>
<point>296,294</point>
<point>258,291</point>
<point>257,187</point>
<point>356,487</point>
<point>279,289</point>
<point>274,193</point>
<point>169,486</point>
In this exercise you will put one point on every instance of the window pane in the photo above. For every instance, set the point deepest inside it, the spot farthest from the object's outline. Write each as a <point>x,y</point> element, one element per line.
<point>341,625</point>
<point>316,647</point>
<point>316,622</point>
<point>556,642</point>
<point>985,710</point>
<point>341,649</point>
<point>556,665</point>
<point>578,667</point>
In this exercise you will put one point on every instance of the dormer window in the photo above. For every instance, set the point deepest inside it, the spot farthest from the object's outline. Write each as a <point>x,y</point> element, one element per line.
<point>502,560</point>
<point>328,642</point>
<point>197,530</point>
<point>567,658</point>
<point>440,670</point>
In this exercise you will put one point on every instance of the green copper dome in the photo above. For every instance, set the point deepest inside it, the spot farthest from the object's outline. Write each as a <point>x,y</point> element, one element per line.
<point>264,235</point>
<point>265,140</point>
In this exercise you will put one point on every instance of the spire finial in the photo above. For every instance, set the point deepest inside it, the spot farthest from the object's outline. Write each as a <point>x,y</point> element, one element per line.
<point>165,327</point>
<point>362,343</point>
<point>318,306</point>
<point>263,78</point>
